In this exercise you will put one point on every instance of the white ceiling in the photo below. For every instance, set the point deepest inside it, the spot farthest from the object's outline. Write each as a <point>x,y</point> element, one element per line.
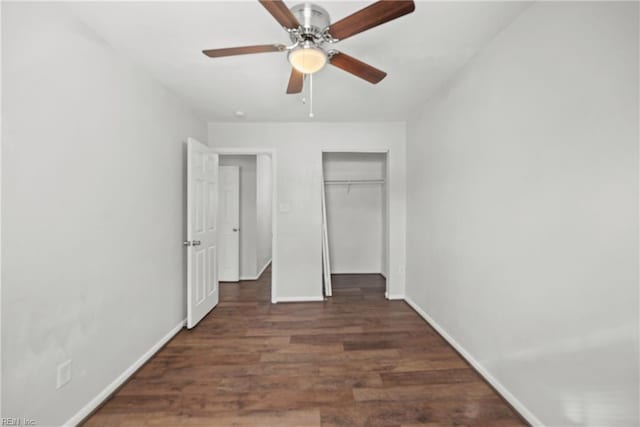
<point>420,52</point>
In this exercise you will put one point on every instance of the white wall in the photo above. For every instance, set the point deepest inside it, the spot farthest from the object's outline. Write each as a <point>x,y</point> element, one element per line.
<point>248,211</point>
<point>355,213</point>
<point>523,211</point>
<point>93,192</point>
<point>298,163</point>
<point>264,211</point>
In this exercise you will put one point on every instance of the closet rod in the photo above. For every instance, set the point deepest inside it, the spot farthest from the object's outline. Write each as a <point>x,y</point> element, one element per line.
<point>353,181</point>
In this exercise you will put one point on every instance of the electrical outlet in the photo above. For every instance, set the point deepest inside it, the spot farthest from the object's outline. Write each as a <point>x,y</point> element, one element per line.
<point>64,373</point>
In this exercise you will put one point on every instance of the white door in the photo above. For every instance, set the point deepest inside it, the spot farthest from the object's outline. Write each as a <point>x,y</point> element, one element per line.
<point>202,207</point>
<point>229,224</point>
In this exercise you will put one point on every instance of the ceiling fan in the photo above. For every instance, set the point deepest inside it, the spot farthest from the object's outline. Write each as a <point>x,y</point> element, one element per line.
<point>312,36</point>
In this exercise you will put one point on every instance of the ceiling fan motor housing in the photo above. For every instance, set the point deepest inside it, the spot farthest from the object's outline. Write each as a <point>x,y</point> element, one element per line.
<point>312,18</point>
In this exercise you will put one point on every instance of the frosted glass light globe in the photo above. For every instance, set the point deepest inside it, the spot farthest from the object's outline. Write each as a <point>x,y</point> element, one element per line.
<point>308,59</point>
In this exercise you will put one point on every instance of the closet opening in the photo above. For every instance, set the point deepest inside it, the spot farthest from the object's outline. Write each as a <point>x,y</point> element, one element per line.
<point>355,212</point>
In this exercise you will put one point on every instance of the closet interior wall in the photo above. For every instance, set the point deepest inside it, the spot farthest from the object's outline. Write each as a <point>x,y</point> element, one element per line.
<point>355,192</point>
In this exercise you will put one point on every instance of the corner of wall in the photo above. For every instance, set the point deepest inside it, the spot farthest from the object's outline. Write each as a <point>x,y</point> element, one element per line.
<point>479,368</point>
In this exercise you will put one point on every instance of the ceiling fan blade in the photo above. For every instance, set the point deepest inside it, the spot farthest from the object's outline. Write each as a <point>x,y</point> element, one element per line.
<point>244,50</point>
<point>281,12</point>
<point>357,68</point>
<point>296,81</point>
<point>371,16</point>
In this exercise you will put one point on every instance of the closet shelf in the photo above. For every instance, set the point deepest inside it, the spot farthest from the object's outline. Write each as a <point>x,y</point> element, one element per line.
<point>353,181</point>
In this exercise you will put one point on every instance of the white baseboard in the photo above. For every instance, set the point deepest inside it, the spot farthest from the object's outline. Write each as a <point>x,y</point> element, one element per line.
<point>104,394</point>
<point>356,272</point>
<point>263,268</point>
<point>300,299</point>
<point>394,296</point>
<point>259,274</point>
<point>517,405</point>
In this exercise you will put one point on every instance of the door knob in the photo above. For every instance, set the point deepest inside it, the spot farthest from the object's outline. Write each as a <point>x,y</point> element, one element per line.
<point>192,243</point>
<point>196,243</point>
<point>235,230</point>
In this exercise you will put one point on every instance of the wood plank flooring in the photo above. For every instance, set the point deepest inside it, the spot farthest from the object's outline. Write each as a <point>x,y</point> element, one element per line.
<point>354,360</point>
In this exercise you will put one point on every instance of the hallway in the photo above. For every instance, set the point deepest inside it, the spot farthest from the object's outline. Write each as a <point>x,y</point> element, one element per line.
<point>356,359</point>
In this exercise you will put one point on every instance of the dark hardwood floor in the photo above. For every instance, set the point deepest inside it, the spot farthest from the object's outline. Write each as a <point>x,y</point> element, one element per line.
<point>354,360</point>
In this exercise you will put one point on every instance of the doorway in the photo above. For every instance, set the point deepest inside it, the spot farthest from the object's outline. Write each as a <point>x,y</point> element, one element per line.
<point>245,220</point>
<point>356,216</point>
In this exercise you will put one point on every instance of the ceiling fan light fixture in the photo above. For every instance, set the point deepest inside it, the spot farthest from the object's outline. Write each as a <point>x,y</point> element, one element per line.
<point>308,59</point>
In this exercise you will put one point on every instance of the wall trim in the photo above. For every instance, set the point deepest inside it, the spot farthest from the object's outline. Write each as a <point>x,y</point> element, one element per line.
<point>301,299</point>
<point>259,273</point>
<point>357,272</point>
<point>502,390</point>
<point>395,296</point>
<point>94,403</point>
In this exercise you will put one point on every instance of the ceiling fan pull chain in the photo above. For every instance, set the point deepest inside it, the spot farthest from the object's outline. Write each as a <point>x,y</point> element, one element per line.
<point>310,76</point>
<point>304,98</point>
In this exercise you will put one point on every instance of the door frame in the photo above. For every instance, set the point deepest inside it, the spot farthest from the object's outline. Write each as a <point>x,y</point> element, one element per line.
<point>230,151</point>
<point>347,149</point>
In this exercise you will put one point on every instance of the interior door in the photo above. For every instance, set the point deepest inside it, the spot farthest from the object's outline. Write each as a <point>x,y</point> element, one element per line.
<point>202,208</point>
<point>229,223</point>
